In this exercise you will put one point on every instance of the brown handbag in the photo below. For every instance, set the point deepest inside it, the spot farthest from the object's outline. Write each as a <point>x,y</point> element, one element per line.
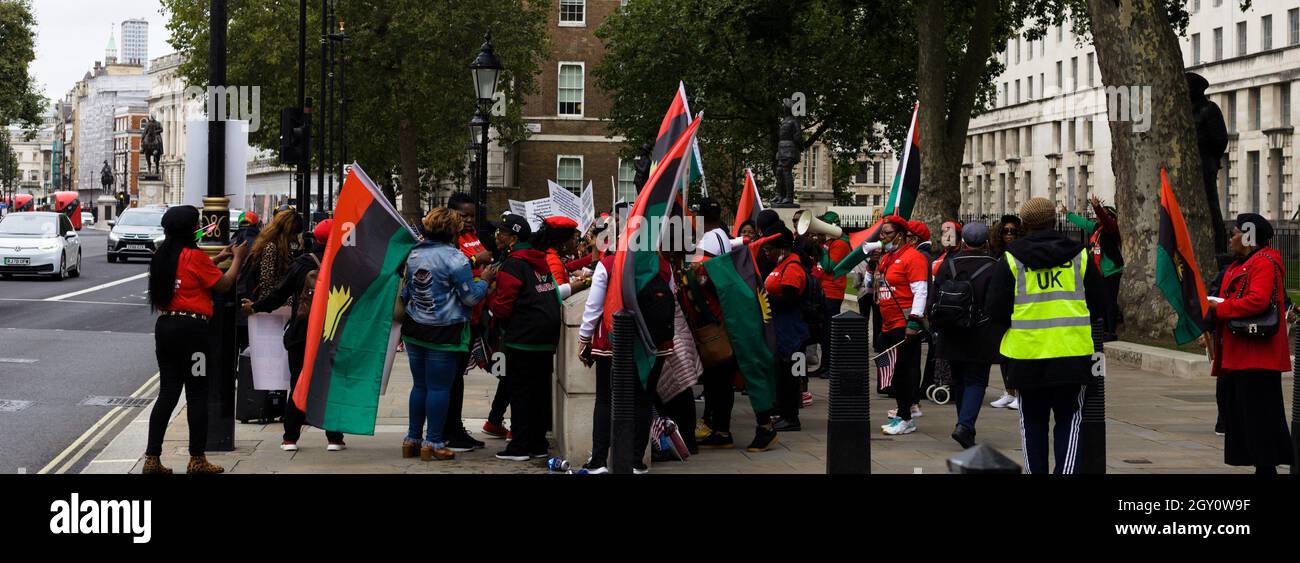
<point>713,344</point>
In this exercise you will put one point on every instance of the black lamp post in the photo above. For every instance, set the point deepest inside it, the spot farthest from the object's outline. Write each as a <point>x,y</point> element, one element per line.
<point>485,70</point>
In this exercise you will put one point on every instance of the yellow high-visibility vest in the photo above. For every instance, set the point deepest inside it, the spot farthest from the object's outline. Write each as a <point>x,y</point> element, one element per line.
<point>1050,316</point>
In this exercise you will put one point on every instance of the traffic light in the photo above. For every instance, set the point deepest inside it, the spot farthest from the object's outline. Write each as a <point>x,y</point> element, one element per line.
<point>293,137</point>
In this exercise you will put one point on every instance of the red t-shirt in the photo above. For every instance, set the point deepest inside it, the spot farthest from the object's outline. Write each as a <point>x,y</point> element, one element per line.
<point>195,276</point>
<point>832,286</point>
<point>893,278</point>
<point>788,272</point>
<point>470,246</point>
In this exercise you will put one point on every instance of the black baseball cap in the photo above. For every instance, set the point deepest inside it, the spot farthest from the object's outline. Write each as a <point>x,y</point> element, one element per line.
<point>516,225</point>
<point>709,207</point>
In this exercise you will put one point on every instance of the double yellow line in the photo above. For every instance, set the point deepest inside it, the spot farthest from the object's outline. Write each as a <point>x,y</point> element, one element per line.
<point>96,432</point>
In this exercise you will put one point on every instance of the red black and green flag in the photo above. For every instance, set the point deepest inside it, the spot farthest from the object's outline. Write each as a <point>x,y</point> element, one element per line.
<point>671,128</point>
<point>750,203</point>
<point>636,260</point>
<point>352,311</point>
<point>1176,273</point>
<point>749,320</point>
<point>902,197</point>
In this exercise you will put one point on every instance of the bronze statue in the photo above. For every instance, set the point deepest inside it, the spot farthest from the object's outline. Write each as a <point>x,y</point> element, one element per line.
<point>1212,140</point>
<point>151,144</point>
<point>790,136</point>
<point>106,176</point>
<point>642,167</point>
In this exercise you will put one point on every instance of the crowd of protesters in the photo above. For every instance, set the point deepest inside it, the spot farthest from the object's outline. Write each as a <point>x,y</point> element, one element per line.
<point>1018,293</point>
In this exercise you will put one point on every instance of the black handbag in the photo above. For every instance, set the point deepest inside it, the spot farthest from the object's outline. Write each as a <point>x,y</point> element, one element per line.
<point>1262,325</point>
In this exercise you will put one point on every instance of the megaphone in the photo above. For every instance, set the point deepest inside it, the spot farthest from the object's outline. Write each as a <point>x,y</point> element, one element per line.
<point>809,224</point>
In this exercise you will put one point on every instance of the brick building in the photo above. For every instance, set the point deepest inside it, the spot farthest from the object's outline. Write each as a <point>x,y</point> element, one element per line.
<point>567,119</point>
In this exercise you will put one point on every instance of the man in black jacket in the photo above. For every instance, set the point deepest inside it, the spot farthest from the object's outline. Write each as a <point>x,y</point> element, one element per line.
<point>970,350</point>
<point>1048,345</point>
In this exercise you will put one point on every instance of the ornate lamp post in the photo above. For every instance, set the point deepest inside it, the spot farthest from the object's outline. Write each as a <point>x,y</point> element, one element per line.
<point>486,71</point>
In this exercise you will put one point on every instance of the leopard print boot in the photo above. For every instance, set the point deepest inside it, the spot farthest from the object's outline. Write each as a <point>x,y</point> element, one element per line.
<point>199,464</point>
<point>153,466</point>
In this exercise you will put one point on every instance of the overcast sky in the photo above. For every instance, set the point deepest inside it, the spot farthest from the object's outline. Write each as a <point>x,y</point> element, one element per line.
<point>72,34</point>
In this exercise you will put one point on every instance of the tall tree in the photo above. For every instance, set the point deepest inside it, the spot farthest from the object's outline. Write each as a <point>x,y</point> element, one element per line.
<point>21,101</point>
<point>740,58</point>
<point>407,75</point>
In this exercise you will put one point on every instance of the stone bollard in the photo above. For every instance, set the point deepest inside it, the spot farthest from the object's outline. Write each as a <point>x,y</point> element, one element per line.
<point>848,419</point>
<point>982,459</point>
<point>623,382</point>
<point>1092,430</point>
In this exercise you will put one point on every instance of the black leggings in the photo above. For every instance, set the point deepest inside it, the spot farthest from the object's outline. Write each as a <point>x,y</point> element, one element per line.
<point>719,395</point>
<point>180,343</point>
<point>294,418</point>
<point>907,369</point>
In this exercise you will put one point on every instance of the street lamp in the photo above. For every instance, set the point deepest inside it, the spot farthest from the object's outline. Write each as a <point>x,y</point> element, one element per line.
<point>486,71</point>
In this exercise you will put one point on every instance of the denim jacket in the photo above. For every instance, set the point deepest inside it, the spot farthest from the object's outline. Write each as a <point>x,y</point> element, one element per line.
<point>440,288</point>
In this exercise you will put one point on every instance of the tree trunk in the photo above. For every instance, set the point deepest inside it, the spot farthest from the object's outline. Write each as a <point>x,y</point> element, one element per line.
<point>409,171</point>
<point>943,126</point>
<point>1141,49</point>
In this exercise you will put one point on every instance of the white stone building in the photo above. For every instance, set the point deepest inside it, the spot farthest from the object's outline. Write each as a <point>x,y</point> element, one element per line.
<point>1048,134</point>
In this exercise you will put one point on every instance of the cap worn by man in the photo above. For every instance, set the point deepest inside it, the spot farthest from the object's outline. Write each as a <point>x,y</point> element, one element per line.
<point>975,234</point>
<point>516,225</point>
<point>1037,214</point>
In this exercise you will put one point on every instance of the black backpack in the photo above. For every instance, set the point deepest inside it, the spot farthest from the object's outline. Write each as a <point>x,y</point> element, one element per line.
<point>812,303</point>
<point>658,309</point>
<point>954,304</point>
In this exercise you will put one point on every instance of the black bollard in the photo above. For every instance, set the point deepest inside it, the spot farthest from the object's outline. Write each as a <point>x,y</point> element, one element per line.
<point>848,419</point>
<point>982,459</point>
<point>1092,430</point>
<point>623,381</point>
<point>1295,412</point>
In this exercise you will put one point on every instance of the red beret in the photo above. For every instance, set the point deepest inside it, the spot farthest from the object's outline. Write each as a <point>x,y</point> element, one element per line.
<point>322,231</point>
<point>896,221</point>
<point>919,229</point>
<point>560,222</point>
<point>250,218</point>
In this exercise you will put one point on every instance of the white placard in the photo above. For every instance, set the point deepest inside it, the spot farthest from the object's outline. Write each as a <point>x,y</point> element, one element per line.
<point>196,162</point>
<point>518,208</point>
<point>266,350</point>
<point>537,211</point>
<point>563,202</point>
<point>588,209</point>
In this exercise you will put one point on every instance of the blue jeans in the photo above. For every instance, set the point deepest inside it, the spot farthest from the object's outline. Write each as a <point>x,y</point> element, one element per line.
<point>433,373</point>
<point>968,383</point>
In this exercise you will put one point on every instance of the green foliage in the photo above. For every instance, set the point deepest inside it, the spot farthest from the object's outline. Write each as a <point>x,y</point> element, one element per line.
<point>740,58</point>
<point>8,164</point>
<point>21,101</point>
<point>404,58</point>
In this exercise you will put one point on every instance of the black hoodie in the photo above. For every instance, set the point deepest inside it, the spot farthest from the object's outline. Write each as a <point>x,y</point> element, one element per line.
<point>1043,249</point>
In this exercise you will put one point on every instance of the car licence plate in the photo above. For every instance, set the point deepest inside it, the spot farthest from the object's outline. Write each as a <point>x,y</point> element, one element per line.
<point>136,247</point>
<point>18,261</point>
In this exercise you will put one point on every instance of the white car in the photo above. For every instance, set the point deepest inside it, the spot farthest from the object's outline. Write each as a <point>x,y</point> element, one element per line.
<point>39,243</point>
<point>87,218</point>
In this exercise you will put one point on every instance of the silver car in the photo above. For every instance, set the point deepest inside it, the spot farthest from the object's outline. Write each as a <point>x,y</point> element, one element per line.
<point>39,243</point>
<point>136,233</point>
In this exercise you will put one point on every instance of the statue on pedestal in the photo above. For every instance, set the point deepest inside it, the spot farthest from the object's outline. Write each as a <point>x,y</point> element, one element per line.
<point>1212,140</point>
<point>642,167</point>
<point>106,177</point>
<point>790,137</point>
<point>151,145</point>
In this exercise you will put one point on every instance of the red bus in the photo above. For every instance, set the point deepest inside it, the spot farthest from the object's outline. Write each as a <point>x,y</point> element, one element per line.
<point>69,204</point>
<point>23,202</point>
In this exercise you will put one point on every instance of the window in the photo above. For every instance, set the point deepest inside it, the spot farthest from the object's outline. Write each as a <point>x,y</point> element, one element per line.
<point>1018,92</point>
<point>1231,107</point>
<point>1060,84</point>
<point>1092,74</point>
<point>1042,47</point>
<point>1218,43</point>
<point>570,89</point>
<point>1196,6</point>
<point>1031,88</point>
<point>1060,33</point>
<point>568,172</point>
<point>1006,89</point>
<point>573,12</point>
<point>1241,39</point>
<point>1073,134</point>
<point>1087,134</point>
<point>1196,48</point>
<point>810,168</point>
<point>626,180</point>
<point>1293,25</point>
<point>1254,109</point>
<point>1218,3</point>
<point>1028,137</point>
<point>1017,50</point>
<point>1056,137</point>
<point>1042,85</point>
<point>875,173</point>
<point>1074,73</point>
<point>1266,33</point>
<point>1285,103</point>
<point>1030,53</point>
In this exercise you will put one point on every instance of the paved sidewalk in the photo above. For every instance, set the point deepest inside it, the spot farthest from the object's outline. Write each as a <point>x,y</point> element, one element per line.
<point>1155,424</point>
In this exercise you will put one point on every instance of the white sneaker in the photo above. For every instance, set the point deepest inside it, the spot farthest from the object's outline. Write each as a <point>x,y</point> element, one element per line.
<point>892,421</point>
<point>1014,404</point>
<point>336,447</point>
<point>901,427</point>
<point>1002,401</point>
<point>289,446</point>
<point>640,471</point>
<point>916,412</point>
